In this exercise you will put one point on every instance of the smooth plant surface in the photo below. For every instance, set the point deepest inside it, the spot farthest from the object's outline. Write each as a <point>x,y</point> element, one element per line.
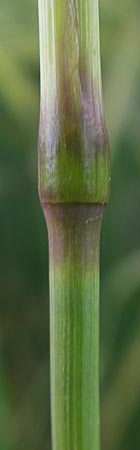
<point>24,394</point>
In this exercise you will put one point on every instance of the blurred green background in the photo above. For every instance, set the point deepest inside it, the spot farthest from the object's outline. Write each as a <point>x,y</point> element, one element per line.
<point>24,304</point>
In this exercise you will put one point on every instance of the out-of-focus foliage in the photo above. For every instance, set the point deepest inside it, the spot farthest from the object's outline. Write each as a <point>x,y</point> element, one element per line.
<point>24,306</point>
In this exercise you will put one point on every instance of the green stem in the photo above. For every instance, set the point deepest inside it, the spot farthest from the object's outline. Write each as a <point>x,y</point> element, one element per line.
<point>73,141</point>
<point>74,174</point>
<point>74,232</point>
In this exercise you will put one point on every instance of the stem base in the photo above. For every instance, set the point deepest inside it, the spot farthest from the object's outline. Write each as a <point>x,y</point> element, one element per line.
<point>74,233</point>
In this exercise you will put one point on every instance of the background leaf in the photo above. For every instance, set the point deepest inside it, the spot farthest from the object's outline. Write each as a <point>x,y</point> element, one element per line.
<point>24,306</point>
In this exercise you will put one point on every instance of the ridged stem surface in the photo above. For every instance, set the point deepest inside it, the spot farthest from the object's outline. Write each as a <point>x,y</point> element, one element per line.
<point>73,141</point>
<point>74,179</point>
<point>74,232</point>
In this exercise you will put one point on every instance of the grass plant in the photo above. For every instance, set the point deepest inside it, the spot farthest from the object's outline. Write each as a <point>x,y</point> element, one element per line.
<point>74,178</point>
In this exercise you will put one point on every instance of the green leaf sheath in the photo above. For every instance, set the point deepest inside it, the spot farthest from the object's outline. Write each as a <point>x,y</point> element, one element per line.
<point>73,141</point>
<point>74,174</point>
<point>74,232</point>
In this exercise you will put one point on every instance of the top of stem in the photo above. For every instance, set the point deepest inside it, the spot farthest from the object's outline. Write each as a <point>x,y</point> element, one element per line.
<point>73,141</point>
